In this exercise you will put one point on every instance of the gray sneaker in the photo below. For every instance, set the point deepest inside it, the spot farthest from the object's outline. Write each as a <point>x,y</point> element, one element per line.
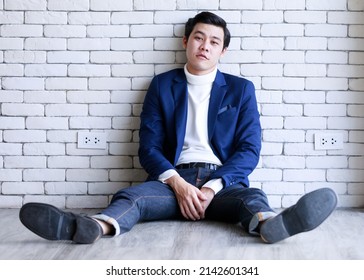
<point>308,213</point>
<point>52,223</point>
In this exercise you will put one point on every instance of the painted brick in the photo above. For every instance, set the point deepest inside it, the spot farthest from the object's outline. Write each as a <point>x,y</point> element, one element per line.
<point>316,110</point>
<point>12,122</point>
<point>46,123</point>
<point>16,136</point>
<point>345,17</point>
<point>108,31</point>
<point>282,110</point>
<point>11,44</point>
<point>60,110</point>
<point>68,162</point>
<point>68,57</point>
<point>68,5</point>
<point>86,201</point>
<point>25,57</point>
<point>305,122</point>
<point>90,123</point>
<point>282,30</point>
<point>47,44</point>
<point>132,17</point>
<point>305,70</point>
<point>262,16</point>
<point>88,70</point>
<point>324,30</point>
<point>43,70</point>
<point>88,18</point>
<point>21,30</point>
<point>283,56</point>
<point>37,175</point>
<point>11,96</point>
<point>326,5</point>
<point>243,5</point>
<point>44,97</point>
<point>111,57</point>
<point>25,5</point>
<point>326,57</point>
<point>356,31</point>
<point>135,44</point>
<point>326,83</point>
<point>25,161</point>
<point>66,83</point>
<point>154,5</point>
<point>23,83</point>
<point>304,175</point>
<point>12,188</point>
<point>111,5</point>
<point>306,43</point>
<point>111,162</point>
<point>86,175</point>
<point>65,188</point>
<point>88,96</point>
<point>7,17</point>
<point>89,44</point>
<point>305,16</point>
<point>345,44</point>
<point>65,31</point>
<point>37,17</point>
<point>11,70</point>
<point>327,162</point>
<point>356,5</point>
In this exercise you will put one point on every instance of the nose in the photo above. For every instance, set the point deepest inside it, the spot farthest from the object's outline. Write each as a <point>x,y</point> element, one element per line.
<point>204,47</point>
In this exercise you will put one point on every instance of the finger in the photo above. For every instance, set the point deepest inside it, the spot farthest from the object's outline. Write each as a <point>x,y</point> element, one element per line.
<point>201,196</point>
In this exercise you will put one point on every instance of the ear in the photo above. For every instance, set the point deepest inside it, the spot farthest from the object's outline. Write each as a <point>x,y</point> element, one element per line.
<point>184,42</point>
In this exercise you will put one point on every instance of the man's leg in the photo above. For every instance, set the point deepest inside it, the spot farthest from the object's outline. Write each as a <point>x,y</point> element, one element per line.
<point>149,201</point>
<point>237,204</point>
<point>250,207</point>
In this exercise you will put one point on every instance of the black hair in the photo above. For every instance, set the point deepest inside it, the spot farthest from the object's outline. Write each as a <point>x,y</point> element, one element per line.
<point>208,18</point>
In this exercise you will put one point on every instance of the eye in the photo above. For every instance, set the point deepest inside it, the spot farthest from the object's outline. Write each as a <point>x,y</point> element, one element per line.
<point>198,38</point>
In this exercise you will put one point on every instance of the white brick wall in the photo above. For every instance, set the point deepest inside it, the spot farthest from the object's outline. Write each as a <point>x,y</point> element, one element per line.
<point>69,66</point>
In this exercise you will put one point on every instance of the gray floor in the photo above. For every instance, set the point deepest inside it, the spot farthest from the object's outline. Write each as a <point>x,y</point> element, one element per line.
<point>340,237</point>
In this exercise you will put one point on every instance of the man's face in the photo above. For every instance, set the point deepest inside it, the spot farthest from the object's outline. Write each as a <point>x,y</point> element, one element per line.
<point>204,48</point>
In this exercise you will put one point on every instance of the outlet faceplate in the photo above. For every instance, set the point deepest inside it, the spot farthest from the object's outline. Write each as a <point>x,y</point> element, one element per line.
<point>328,141</point>
<point>91,140</point>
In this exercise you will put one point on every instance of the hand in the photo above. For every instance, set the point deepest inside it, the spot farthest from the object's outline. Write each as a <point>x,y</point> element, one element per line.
<point>209,193</point>
<point>190,199</point>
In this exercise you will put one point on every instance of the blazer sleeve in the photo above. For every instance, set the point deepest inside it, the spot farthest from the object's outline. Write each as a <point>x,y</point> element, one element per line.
<point>152,133</point>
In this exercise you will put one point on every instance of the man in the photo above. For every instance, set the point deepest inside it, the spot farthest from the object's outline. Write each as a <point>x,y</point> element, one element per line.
<point>200,138</point>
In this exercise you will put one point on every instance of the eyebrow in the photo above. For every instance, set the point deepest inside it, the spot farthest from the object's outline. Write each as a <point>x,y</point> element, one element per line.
<point>202,33</point>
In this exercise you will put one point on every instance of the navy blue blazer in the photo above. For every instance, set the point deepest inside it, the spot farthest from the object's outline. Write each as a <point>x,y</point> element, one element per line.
<point>234,127</point>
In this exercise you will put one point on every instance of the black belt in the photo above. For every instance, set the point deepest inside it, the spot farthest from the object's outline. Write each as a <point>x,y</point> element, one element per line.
<point>198,165</point>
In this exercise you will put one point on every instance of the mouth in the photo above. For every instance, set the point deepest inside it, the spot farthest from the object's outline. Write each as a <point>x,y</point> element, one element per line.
<point>202,56</point>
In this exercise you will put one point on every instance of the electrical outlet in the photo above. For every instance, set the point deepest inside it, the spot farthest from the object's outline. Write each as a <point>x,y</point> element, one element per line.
<point>91,140</point>
<point>328,141</point>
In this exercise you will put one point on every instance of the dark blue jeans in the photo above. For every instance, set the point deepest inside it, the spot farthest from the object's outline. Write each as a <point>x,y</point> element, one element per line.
<point>154,200</point>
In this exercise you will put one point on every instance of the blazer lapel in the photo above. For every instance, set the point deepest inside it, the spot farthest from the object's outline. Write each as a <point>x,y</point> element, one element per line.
<point>180,102</point>
<point>218,92</point>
